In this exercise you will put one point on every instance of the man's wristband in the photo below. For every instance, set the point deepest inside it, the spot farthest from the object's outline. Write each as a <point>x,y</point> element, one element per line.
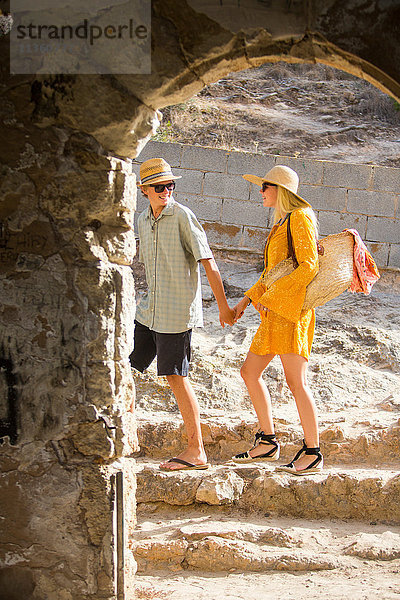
<point>249,301</point>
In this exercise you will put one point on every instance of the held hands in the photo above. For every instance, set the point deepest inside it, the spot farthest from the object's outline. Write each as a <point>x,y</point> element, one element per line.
<point>243,304</point>
<point>227,315</point>
<point>232,315</point>
<point>240,308</point>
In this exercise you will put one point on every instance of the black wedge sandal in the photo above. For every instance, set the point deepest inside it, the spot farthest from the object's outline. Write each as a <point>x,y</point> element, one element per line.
<point>312,469</point>
<point>261,438</point>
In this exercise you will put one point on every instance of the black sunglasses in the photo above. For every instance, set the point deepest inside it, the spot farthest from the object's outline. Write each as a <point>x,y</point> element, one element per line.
<point>160,187</point>
<point>266,185</point>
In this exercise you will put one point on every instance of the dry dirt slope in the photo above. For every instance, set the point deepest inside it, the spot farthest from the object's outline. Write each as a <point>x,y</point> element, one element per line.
<point>304,110</point>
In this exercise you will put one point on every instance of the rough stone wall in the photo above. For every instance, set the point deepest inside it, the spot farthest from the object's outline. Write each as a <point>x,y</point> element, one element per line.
<point>363,197</point>
<point>66,240</point>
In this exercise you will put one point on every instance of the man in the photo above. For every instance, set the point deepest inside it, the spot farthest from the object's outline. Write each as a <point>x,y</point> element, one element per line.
<point>171,245</point>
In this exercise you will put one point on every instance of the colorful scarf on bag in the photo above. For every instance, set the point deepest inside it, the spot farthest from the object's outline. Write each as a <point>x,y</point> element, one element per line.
<point>365,272</point>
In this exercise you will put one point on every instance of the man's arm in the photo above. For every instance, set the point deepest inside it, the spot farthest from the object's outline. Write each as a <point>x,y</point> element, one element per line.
<point>226,314</point>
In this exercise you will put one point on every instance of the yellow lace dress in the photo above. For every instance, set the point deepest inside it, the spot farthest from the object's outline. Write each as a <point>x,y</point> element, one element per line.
<point>286,328</point>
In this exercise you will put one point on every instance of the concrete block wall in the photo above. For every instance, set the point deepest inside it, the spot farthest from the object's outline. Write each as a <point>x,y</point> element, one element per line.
<point>363,197</point>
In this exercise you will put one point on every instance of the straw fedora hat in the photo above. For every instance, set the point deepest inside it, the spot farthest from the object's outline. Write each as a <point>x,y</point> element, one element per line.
<point>279,175</point>
<point>156,170</point>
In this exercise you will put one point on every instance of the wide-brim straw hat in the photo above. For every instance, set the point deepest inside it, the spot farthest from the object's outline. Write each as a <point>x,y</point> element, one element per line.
<point>156,170</point>
<point>279,175</point>
<point>335,273</point>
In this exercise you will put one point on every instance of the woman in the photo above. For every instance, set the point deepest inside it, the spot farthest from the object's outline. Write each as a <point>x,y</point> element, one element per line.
<point>285,330</point>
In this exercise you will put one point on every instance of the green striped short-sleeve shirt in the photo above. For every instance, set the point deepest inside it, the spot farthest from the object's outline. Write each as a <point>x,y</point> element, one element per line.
<point>170,248</point>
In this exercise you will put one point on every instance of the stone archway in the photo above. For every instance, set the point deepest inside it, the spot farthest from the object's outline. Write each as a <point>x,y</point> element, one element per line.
<point>66,242</point>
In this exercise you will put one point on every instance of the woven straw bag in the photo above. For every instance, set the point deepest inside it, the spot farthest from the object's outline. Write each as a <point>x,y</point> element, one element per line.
<point>335,273</point>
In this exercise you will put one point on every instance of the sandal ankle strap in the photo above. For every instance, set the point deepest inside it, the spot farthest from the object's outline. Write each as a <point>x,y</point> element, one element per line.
<point>309,451</point>
<point>312,451</point>
<point>264,438</point>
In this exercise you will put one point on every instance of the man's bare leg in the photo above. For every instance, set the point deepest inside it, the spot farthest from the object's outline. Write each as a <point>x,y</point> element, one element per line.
<point>189,408</point>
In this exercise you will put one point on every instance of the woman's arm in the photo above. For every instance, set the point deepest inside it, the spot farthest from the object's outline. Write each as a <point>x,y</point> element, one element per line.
<point>286,296</point>
<point>241,307</point>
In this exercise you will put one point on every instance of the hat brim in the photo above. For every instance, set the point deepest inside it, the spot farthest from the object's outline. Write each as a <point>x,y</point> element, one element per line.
<point>161,179</point>
<point>260,180</point>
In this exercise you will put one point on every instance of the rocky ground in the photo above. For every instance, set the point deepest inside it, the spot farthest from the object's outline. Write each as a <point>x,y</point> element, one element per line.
<point>209,555</point>
<point>293,110</point>
<point>245,532</point>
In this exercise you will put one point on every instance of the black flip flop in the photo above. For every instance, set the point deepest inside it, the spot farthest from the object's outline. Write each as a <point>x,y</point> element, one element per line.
<point>187,466</point>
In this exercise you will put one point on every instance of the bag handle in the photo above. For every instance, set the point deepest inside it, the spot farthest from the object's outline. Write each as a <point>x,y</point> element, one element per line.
<point>292,254</point>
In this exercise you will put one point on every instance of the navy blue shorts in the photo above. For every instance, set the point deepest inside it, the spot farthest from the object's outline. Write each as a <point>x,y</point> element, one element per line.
<point>172,351</point>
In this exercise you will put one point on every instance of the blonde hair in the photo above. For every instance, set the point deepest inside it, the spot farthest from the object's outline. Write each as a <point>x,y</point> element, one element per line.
<point>286,202</point>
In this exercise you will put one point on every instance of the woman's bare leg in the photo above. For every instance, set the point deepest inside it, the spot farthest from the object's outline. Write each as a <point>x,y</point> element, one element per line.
<point>251,372</point>
<point>295,368</point>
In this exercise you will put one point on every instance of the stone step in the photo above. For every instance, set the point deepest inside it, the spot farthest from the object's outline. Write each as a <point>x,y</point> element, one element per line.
<point>165,437</point>
<point>366,581</point>
<point>336,493</point>
<point>240,543</point>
